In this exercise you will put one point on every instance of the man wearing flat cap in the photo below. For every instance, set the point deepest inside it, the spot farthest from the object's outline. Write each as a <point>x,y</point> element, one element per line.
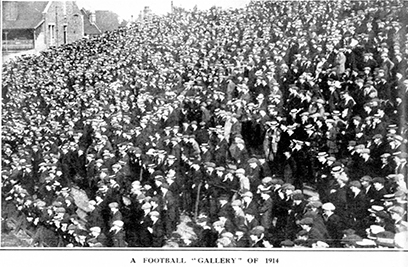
<point>314,211</point>
<point>313,234</point>
<point>296,213</point>
<point>357,205</point>
<point>265,209</point>
<point>97,238</point>
<point>115,214</point>
<point>206,153</point>
<point>248,202</point>
<point>334,224</point>
<point>230,183</point>
<point>224,207</point>
<point>338,194</point>
<point>117,235</point>
<point>258,238</point>
<point>238,152</point>
<point>156,229</point>
<point>253,172</point>
<point>206,236</point>
<point>400,224</point>
<point>400,160</point>
<point>282,204</point>
<point>170,209</point>
<point>379,192</point>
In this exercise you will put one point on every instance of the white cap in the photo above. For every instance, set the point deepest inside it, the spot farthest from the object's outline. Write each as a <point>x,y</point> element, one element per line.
<point>118,223</point>
<point>328,206</point>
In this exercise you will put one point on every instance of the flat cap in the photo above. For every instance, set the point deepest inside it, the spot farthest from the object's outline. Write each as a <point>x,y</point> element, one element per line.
<point>113,205</point>
<point>314,204</point>
<point>257,230</point>
<point>398,210</point>
<point>288,186</point>
<point>306,221</point>
<point>379,180</point>
<point>366,178</point>
<point>355,184</point>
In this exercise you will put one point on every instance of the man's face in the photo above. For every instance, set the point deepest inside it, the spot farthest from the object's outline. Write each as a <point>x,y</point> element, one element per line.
<point>327,212</point>
<point>254,238</point>
<point>395,216</point>
<point>95,233</point>
<point>249,217</point>
<point>397,160</point>
<point>378,186</point>
<point>305,226</point>
<point>114,210</point>
<point>335,174</point>
<point>253,165</point>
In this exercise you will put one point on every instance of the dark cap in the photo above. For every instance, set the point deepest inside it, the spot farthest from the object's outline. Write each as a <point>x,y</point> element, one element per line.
<point>398,210</point>
<point>298,196</point>
<point>314,204</point>
<point>224,197</point>
<point>377,136</point>
<point>257,230</point>
<point>288,186</point>
<point>306,221</point>
<point>351,239</point>
<point>210,164</point>
<point>287,243</point>
<point>251,212</point>
<point>165,185</point>
<point>366,178</point>
<point>379,180</point>
<point>355,184</point>
<point>382,214</point>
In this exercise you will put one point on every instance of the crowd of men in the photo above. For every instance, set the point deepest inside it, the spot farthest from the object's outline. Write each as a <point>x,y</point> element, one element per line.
<point>282,124</point>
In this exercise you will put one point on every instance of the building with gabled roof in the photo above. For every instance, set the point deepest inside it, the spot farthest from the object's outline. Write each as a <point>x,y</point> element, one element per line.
<point>40,24</point>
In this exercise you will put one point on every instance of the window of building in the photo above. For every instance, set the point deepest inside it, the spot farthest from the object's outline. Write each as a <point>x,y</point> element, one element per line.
<point>65,34</point>
<point>51,33</point>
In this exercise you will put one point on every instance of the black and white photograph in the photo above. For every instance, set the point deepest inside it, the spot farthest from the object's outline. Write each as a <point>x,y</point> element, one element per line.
<point>215,128</point>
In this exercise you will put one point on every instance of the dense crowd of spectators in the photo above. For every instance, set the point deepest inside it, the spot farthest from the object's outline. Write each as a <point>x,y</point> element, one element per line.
<point>282,124</point>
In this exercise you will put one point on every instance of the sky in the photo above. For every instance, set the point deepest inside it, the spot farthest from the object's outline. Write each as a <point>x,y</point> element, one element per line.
<point>126,8</point>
